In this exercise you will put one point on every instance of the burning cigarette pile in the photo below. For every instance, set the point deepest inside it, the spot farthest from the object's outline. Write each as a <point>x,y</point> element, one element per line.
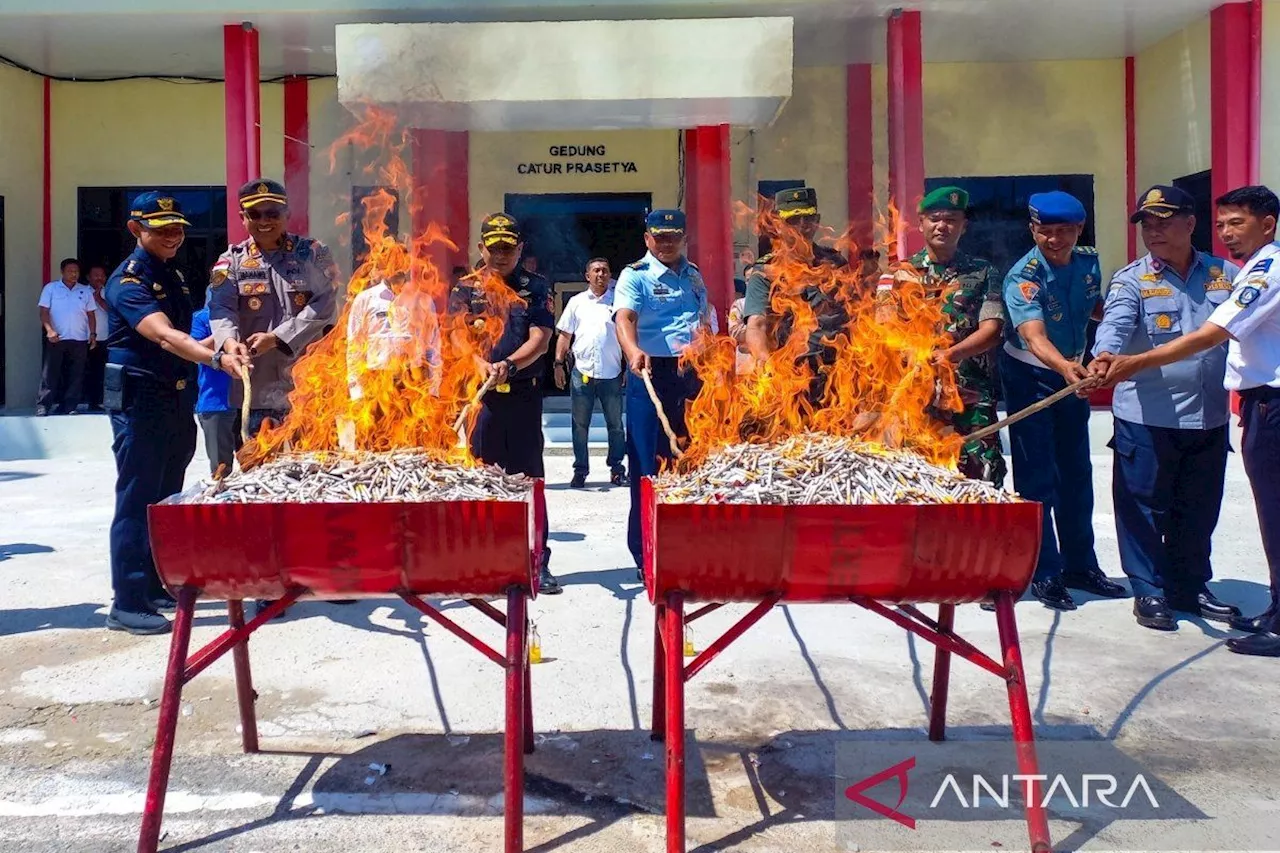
<point>822,469</point>
<point>408,476</point>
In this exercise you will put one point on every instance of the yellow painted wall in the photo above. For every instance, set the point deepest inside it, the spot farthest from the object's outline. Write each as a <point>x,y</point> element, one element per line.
<point>1172,107</point>
<point>21,173</point>
<point>1032,118</point>
<point>1270,167</point>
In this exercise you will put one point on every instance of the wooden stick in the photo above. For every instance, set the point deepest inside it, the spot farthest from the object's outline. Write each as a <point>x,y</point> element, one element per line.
<point>244,405</point>
<point>662,416</point>
<point>475,401</point>
<point>1028,411</point>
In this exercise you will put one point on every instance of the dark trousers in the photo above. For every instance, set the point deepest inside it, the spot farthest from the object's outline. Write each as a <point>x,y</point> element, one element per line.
<point>1260,416</point>
<point>94,373</point>
<point>583,396</point>
<point>1167,489</point>
<point>647,443</point>
<point>221,438</point>
<point>155,438</point>
<point>508,433</point>
<point>63,376</point>
<point>1051,465</point>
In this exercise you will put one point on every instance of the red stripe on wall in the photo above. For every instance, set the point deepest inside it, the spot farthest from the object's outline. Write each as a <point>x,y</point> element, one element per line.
<point>46,230</point>
<point>1131,143</point>
<point>906,125</point>
<point>297,153</point>
<point>860,154</point>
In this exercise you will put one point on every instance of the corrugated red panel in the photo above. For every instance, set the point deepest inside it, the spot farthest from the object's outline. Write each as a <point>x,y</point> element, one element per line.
<point>948,553</point>
<point>346,550</point>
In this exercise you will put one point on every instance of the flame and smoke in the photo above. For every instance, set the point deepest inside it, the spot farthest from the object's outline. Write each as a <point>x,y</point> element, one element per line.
<point>878,388</point>
<point>400,381</point>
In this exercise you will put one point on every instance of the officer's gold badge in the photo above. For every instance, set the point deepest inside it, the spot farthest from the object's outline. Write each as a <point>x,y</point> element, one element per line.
<point>254,303</point>
<point>300,299</point>
<point>1164,322</point>
<point>250,263</point>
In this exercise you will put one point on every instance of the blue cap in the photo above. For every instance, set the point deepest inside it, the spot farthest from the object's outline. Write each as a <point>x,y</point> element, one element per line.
<point>1056,208</point>
<point>155,210</point>
<point>665,222</point>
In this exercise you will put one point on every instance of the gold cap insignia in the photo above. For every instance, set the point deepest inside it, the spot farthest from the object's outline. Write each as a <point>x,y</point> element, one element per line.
<point>263,188</point>
<point>1154,197</point>
<point>165,204</point>
<point>955,198</point>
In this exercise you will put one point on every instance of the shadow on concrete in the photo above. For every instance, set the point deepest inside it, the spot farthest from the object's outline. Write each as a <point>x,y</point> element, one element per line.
<point>19,549</point>
<point>14,476</point>
<point>566,536</point>
<point>827,696</point>
<point>1250,596</point>
<point>86,615</point>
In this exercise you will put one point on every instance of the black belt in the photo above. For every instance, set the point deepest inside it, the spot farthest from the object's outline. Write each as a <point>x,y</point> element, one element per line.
<point>1261,393</point>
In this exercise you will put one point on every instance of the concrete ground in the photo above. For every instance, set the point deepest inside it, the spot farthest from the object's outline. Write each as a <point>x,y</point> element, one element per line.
<point>772,722</point>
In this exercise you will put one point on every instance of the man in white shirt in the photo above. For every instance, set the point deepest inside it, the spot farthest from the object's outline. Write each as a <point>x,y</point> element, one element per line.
<point>391,327</point>
<point>95,370</point>
<point>1249,323</point>
<point>66,312</point>
<point>587,325</point>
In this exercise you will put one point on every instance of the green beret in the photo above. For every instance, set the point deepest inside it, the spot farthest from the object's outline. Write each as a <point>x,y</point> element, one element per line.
<point>800,201</point>
<point>945,198</point>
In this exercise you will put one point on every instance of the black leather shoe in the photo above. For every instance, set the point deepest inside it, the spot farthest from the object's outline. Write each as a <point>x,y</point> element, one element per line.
<point>1093,581</point>
<point>1152,611</point>
<point>1053,594</point>
<point>579,481</point>
<point>619,478</point>
<point>548,585</point>
<point>1205,606</point>
<point>138,622</point>
<point>1265,645</point>
<point>1255,624</point>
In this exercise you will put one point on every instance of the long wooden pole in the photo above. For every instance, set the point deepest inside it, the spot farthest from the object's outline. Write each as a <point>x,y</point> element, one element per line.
<point>1029,410</point>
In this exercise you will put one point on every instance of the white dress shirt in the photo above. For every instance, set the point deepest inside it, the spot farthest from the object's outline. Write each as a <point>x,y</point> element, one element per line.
<point>389,330</point>
<point>589,318</point>
<point>1252,317</point>
<point>69,309</point>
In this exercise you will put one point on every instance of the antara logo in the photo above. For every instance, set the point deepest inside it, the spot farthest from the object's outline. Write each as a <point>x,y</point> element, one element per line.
<point>1088,789</point>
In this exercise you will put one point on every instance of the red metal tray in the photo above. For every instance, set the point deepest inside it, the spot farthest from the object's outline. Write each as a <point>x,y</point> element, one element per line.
<point>938,553</point>
<point>347,550</point>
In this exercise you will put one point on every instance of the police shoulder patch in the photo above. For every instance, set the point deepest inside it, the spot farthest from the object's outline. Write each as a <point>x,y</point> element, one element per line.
<point>1029,290</point>
<point>1247,296</point>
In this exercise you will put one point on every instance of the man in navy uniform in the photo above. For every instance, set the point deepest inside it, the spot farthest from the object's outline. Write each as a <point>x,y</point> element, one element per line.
<point>1249,323</point>
<point>273,294</point>
<point>149,394</point>
<point>1050,296</point>
<point>508,431</point>
<point>1171,438</point>
<point>661,301</point>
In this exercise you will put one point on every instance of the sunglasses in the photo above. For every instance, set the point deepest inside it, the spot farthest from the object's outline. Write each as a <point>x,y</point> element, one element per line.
<point>256,213</point>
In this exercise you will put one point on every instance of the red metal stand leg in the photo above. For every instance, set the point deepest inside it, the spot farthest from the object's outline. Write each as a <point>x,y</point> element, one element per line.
<point>673,660</point>
<point>1023,733</point>
<point>513,747</point>
<point>167,727</point>
<point>941,676</point>
<point>528,702</point>
<point>658,721</point>
<point>245,694</point>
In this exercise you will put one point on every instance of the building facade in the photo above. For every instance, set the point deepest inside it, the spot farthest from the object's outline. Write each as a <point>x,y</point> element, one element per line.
<point>1002,97</point>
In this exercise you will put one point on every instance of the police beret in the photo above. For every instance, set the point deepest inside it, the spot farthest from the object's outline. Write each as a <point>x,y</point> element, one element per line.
<point>799,201</point>
<point>262,191</point>
<point>499,228</point>
<point>155,210</point>
<point>1056,208</point>
<point>665,222</point>
<point>945,198</point>
<point>1163,202</point>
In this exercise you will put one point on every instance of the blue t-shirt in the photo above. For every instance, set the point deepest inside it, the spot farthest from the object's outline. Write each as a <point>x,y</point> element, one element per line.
<point>214,384</point>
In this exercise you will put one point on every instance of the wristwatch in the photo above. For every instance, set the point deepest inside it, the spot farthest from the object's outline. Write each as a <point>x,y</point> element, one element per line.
<point>559,364</point>
<point>511,367</point>
<point>216,361</point>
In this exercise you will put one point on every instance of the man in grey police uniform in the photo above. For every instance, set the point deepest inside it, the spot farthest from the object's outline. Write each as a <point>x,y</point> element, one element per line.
<point>1249,323</point>
<point>273,294</point>
<point>1171,438</point>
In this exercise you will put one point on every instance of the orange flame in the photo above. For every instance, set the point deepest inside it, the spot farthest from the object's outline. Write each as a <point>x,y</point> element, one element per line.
<point>395,371</point>
<point>881,382</point>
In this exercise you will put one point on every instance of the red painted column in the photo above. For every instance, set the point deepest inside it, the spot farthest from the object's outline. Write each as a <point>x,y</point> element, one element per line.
<point>707,192</point>
<point>1234,97</point>
<point>46,228</point>
<point>860,154</point>
<point>430,192</point>
<point>1131,146</point>
<point>297,154</point>
<point>906,125</point>
<point>243,117</point>
<point>458,194</point>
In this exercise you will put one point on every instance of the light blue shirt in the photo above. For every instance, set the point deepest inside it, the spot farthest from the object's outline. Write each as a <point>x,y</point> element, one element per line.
<point>670,304</point>
<point>1149,305</point>
<point>1063,298</point>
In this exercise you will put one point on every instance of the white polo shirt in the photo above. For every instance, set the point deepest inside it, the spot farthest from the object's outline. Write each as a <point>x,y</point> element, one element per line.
<point>589,318</point>
<point>69,309</point>
<point>1252,316</point>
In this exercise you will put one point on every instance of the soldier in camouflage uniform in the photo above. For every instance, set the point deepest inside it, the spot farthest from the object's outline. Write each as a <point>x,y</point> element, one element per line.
<point>972,302</point>
<point>798,209</point>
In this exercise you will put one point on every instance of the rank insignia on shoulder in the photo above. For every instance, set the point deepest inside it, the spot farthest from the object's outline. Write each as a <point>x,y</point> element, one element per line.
<point>1263,265</point>
<point>638,265</point>
<point>130,279</point>
<point>1086,250</point>
<point>1151,276</point>
<point>1153,292</point>
<point>1247,296</point>
<point>524,279</point>
<point>131,267</point>
<point>523,294</point>
<point>180,276</point>
<point>218,276</point>
<point>157,286</point>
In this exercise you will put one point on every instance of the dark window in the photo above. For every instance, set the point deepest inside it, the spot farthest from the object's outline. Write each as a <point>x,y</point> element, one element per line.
<point>359,210</point>
<point>767,190</point>
<point>999,228</point>
<point>103,235</point>
<point>565,230</point>
<point>1200,187</point>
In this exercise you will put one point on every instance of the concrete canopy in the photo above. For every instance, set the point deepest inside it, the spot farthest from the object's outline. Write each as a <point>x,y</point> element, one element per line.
<point>591,75</point>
